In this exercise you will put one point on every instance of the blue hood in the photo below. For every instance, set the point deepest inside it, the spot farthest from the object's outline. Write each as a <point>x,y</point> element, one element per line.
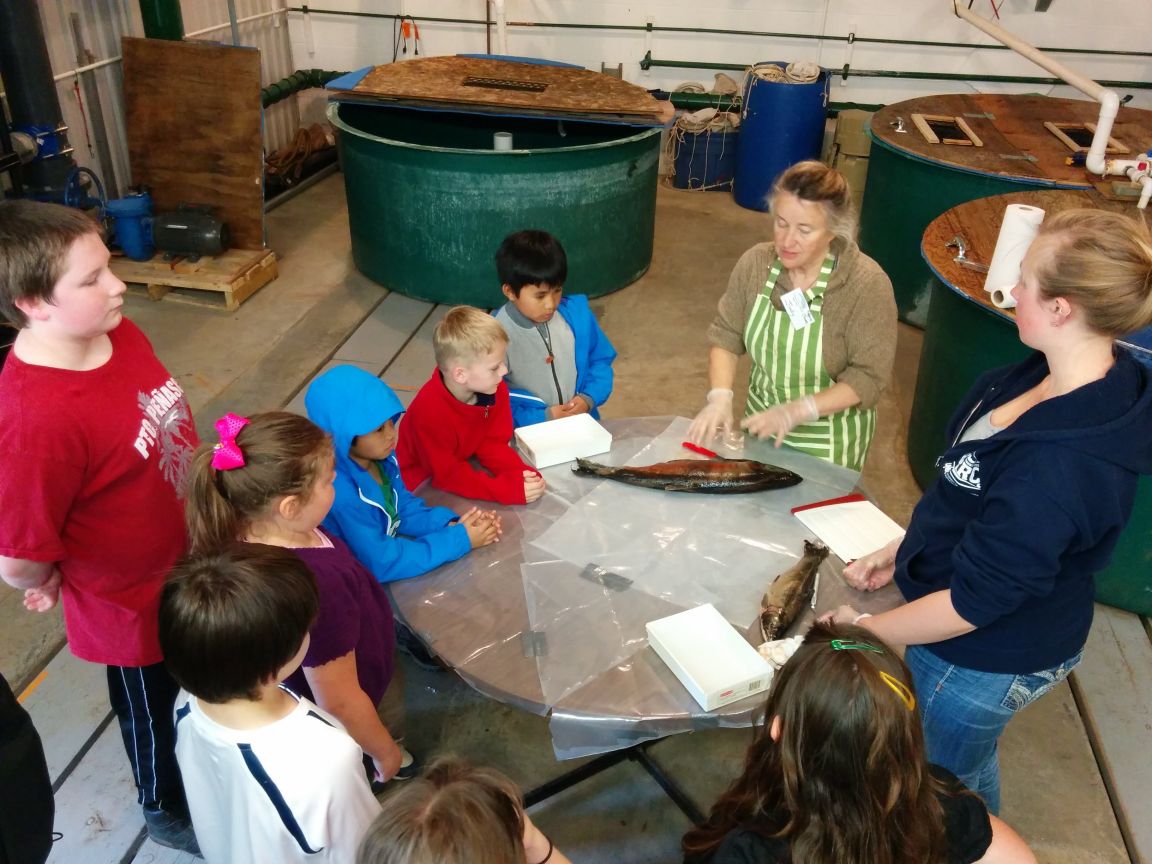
<point>413,538</point>
<point>345,402</point>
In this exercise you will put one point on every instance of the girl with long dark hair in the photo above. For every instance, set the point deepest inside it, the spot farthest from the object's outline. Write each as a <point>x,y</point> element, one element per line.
<point>836,773</point>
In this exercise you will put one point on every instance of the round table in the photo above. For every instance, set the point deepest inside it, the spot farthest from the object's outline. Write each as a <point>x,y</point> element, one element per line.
<point>967,335</point>
<point>911,181</point>
<point>485,614</point>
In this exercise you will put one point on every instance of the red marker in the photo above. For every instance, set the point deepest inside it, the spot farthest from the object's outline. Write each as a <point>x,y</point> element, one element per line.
<point>703,451</point>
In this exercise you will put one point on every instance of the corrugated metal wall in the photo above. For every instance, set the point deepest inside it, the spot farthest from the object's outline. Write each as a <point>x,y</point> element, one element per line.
<point>83,33</point>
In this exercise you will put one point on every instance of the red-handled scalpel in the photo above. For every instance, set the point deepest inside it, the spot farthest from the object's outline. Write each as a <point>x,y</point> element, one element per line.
<point>703,451</point>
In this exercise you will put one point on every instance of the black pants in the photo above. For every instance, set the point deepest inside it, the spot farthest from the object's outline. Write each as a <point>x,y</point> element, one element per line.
<point>143,698</point>
<point>26,805</point>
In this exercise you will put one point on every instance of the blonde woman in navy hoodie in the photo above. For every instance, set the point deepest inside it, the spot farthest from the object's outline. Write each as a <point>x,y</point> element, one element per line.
<point>1036,485</point>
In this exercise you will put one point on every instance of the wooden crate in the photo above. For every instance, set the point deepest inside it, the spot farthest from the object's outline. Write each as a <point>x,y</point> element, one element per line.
<point>224,281</point>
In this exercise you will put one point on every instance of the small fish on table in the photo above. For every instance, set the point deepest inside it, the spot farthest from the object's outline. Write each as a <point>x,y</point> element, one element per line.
<point>714,477</point>
<point>790,592</point>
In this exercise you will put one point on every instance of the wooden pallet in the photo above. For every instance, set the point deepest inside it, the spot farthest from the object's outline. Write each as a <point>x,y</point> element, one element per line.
<point>223,281</point>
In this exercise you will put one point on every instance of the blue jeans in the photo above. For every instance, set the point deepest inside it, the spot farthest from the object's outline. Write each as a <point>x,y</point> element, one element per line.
<point>964,712</point>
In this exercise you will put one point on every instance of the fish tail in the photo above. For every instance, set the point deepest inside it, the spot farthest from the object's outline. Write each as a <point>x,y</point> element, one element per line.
<point>587,467</point>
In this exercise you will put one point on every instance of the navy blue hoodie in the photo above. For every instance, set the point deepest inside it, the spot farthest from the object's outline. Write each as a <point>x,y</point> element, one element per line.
<point>1017,524</point>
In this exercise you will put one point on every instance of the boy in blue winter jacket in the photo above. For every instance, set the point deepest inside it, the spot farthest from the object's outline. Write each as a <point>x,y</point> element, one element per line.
<point>393,533</point>
<point>559,360</point>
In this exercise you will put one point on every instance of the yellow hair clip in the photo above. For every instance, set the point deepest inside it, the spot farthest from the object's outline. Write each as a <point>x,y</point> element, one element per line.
<point>900,689</point>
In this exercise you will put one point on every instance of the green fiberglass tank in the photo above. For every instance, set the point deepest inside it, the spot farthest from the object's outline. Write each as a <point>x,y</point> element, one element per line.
<point>429,199</point>
<point>935,152</point>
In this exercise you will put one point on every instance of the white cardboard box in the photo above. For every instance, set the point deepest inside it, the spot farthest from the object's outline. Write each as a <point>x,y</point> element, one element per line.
<point>710,658</point>
<point>555,441</point>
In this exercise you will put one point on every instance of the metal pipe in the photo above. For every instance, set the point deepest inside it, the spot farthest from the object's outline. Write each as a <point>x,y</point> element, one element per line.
<point>851,37</point>
<point>95,109</point>
<point>232,22</point>
<point>487,28</point>
<point>99,64</point>
<point>32,100</point>
<point>647,62</point>
<point>162,19</point>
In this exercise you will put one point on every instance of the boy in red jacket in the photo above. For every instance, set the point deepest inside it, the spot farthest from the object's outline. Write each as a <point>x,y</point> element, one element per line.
<point>457,430</point>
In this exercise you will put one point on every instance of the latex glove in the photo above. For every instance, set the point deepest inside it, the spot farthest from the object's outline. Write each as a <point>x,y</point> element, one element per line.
<point>716,414</point>
<point>779,420</point>
<point>874,570</point>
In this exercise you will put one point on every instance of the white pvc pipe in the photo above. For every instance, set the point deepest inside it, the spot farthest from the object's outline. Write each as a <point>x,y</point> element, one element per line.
<point>1109,101</point>
<point>228,24</point>
<point>501,26</point>
<point>1145,182</point>
<point>72,73</point>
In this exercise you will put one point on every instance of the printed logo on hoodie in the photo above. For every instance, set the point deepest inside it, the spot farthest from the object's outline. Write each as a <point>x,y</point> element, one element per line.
<point>964,473</point>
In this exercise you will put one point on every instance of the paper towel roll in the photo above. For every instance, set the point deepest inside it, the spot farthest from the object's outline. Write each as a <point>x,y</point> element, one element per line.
<point>1003,298</point>
<point>1017,232</point>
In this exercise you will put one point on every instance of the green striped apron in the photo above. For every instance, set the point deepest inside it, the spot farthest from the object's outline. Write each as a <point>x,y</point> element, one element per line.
<point>788,364</point>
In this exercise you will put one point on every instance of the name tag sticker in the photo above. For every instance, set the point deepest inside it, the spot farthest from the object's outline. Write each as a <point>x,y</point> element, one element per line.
<point>797,308</point>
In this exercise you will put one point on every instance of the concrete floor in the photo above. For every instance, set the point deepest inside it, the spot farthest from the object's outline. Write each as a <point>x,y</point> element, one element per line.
<point>260,356</point>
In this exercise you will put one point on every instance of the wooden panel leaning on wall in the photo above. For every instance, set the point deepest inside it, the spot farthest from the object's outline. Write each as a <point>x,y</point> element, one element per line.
<point>192,112</point>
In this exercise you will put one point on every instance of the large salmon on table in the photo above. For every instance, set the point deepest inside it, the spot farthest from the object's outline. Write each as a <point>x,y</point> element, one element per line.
<point>790,592</point>
<point>715,476</point>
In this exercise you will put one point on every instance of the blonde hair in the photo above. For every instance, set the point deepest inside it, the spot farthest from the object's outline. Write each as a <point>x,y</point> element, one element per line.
<point>816,183</point>
<point>456,813</point>
<point>1102,262</point>
<point>283,455</point>
<point>465,334</point>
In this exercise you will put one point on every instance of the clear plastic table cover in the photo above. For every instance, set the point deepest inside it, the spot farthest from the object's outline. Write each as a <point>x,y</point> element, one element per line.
<point>553,617</point>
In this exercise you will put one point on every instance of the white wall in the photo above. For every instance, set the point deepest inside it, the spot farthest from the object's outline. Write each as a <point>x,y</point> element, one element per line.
<point>349,43</point>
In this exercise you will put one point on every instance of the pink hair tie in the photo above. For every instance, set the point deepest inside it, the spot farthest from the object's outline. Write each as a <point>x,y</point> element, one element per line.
<point>227,454</point>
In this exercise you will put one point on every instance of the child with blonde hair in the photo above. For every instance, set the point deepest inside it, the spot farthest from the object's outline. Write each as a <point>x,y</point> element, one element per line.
<point>270,480</point>
<point>457,813</point>
<point>459,426</point>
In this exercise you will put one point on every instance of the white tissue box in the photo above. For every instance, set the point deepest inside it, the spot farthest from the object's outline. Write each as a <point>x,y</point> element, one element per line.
<point>710,658</point>
<point>556,441</point>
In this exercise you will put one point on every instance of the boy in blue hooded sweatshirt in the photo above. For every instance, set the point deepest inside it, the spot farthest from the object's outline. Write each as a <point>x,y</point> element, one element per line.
<point>393,533</point>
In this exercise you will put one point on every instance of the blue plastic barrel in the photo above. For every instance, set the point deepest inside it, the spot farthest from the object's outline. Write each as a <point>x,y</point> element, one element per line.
<point>706,160</point>
<point>782,124</point>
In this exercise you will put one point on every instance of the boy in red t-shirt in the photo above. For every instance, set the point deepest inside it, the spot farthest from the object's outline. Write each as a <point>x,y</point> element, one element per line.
<point>95,442</point>
<point>458,429</point>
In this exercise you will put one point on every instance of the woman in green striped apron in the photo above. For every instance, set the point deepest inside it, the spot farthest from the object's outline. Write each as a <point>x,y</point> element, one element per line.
<point>818,319</point>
